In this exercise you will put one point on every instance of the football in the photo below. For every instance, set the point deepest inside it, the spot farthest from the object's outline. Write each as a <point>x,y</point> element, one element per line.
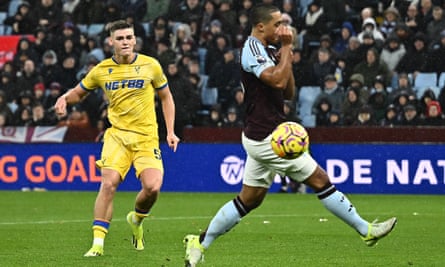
<point>289,140</point>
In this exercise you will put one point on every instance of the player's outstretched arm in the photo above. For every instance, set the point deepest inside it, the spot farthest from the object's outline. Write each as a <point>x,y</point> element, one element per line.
<point>168,110</point>
<point>71,97</point>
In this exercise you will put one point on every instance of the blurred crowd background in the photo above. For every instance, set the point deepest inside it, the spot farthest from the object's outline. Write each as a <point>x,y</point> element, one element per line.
<point>355,62</point>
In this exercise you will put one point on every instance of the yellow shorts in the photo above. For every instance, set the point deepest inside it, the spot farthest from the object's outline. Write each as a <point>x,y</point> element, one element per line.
<point>121,149</point>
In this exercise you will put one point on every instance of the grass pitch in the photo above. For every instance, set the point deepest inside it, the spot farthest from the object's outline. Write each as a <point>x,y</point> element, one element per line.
<point>54,229</point>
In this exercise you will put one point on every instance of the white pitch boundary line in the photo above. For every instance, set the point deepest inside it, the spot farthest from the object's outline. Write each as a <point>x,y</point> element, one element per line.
<point>177,218</point>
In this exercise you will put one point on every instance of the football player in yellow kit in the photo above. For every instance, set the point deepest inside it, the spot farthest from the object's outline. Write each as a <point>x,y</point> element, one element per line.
<point>130,81</point>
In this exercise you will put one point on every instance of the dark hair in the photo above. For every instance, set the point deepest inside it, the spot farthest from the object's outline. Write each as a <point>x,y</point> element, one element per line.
<point>118,25</point>
<point>261,13</point>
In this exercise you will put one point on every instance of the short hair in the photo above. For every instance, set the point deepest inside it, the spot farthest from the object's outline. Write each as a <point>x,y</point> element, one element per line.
<point>261,13</point>
<point>119,25</point>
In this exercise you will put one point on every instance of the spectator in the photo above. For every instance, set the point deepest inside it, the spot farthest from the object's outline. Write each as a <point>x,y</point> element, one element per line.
<point>138,8</point>
<point>156,8</point>
<point>25,51</point>
<point>323,66</point>
<point>392,53</point>
<point>215,118</point>
<point>301,69</point>
<point>351,105</point>
<point>242,29</point>
<point>6,112</point>
<point>391,117</point>
<point>365,117</point>
<point>39,93</point>
<point>4,120</point>
<point>342,42</point>
<point>369,26</point>
<point>159,30</point>
<point>403,85</point>
<point>7,87</point>
<point>164,53</point>
<point>215,52</point>
<point>237,102</point>
<point>41,42</point>
<point>55,90</point>
<point>415,58</point>
<point>40,117</point>
<point>378,99</point>
<point>436,56</point>
<point>225,75</point>
<point>332,91</point>
<point>23,116</point>
<point>334,119</point>
<point>186,99</point>
<point>351,56</point>
<point>322,111</point>
<point>113,10</point>
<point>22,22</point>
<point>50,69</point>
<point>400,101</point>
<point>89,12</point>
<point>424,100</point>
<point>187,11</point>
<point>28,77</point>
<point>314,26</point>
<point>68,72</point>
<point>434,116</point>
<point>232,119</point>
<point>413,19</point>
<point>371,67</point>
<point>435,26</point>
<point>410,116</point>
<point>49,14</point>
<point>227,16</point>
<point>391,17</point>
<point>210,13</point>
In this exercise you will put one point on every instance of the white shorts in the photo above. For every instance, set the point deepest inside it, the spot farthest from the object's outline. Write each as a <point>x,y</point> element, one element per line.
<point>262,164</point>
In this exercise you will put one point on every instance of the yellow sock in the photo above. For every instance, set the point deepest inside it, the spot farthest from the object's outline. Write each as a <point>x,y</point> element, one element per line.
<point>100,230</point>
<point>138,217</point>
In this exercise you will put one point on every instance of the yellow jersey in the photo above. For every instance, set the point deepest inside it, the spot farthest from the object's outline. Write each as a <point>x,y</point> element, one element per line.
<point>130,89</point>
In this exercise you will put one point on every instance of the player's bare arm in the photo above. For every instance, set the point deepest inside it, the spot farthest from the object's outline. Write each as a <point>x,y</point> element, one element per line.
<point>279,76</point>
<point>71,97</point>
<point>168,110</point>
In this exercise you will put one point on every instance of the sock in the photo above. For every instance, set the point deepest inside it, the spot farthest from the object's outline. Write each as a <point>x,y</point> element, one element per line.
<point>224,220</point>
<point>139,216</point>
<point>100,230</point>
<point>337,203</point>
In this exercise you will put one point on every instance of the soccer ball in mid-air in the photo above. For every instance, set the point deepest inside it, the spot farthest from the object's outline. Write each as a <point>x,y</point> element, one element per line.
<point>290,140</point>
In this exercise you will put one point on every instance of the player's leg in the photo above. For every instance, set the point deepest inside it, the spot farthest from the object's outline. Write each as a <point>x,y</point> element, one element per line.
<point>224,220</point>
<point>337,203</point>
<point>149,169</point>
<point>103,210</point>
<point>151,181</point>
<point>114,164</point>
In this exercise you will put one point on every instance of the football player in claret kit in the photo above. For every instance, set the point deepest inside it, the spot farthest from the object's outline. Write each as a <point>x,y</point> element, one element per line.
<point>130,82</point>
<point>268,80</point>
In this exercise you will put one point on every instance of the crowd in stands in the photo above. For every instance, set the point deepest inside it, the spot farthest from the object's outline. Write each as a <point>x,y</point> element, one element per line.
<point>356,63</point>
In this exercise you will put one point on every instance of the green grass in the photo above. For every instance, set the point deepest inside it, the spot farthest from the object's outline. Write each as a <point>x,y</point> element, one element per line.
<point>54,229</point>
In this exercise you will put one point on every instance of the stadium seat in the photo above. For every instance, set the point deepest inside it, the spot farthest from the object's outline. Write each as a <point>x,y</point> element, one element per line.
<point>95,29</point>
<point>13,6</point>
<point>146,26</point>
<point>209,96</point>
<point>425,79</point>
<point>202,51</point>
<point>307,96</point>
<point>83,28</point>
<point>421,91</point>
<point>441,80</point>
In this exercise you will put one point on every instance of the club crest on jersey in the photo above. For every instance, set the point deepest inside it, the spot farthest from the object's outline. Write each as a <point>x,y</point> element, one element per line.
<point>110,70</point>
<point>137,69</point>
<point>260,59</point>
